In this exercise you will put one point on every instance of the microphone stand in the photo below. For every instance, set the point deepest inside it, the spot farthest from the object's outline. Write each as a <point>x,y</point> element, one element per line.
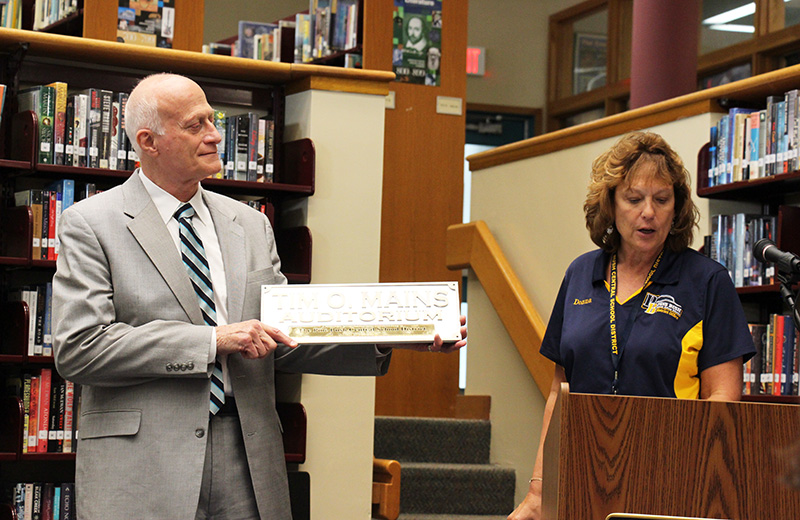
<point>786,281</point>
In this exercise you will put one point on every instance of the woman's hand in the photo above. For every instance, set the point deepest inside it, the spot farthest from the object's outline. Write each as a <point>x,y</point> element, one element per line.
<point>531,506</point>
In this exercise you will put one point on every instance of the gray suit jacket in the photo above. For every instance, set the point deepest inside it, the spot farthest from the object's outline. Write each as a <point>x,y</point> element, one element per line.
<point>123,312</point>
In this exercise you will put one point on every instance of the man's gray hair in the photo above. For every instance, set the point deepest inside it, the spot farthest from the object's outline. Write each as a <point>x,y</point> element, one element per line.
<point>142,112</point>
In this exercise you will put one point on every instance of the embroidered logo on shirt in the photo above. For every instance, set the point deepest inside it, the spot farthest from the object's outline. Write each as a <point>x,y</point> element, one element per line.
<point>664,303</point>
<point>582,302</point>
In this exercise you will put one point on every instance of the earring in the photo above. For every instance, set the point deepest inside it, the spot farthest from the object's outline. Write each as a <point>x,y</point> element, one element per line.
<point>609,230</point>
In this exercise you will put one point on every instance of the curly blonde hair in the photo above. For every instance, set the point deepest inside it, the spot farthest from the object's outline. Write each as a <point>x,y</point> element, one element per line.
<point>618,166</point>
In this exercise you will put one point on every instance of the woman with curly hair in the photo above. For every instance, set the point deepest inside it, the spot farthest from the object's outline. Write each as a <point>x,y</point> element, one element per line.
<point>644,314</point>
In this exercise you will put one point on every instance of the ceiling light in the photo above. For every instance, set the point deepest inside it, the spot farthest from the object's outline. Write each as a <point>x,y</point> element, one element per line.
<point>733,14</point>
<point>733,28</point>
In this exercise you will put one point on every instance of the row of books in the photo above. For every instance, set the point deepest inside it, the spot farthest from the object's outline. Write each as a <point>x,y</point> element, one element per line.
<point>39,300</point>
<point>247,148</point>
<point>46,207</point>
<point>328,27</point>
<point>83,129</point>
<point>11,14</point>
<point>731,244</point>
<point>44,501</point>
<point>750,143</point>
<point>48,12</point>
<point>774,368</point>
<point>51,411</point>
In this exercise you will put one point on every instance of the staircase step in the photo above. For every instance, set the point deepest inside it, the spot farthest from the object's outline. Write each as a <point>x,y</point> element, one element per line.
<point>456,489</point>
<point>417,439</point>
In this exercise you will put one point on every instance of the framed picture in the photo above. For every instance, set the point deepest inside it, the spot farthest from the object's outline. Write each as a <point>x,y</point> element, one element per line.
<point>589,62</point>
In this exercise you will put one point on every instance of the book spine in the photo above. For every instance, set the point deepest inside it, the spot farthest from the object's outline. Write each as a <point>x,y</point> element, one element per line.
<point>252,147</point>
<point>44,409</point>
<point>45,222</point>
<point>46,116</point>
<point>113,151</point>
<point>69,131</point>
<point>104,139</point>
<point>51,223</point>
<point>123,144</point>
<point>26,407</point>
<point>60,120</point>
<point>242,142</point>
<point>69,405</point>
<point>33,423</point>
<point>94,111</point>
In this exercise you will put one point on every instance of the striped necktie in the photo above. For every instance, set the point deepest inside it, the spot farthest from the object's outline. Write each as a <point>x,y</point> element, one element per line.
<point>194,258</point>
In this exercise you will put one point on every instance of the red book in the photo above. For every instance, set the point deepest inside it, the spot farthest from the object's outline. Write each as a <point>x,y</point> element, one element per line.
<point>33,422</point>
<point>44,408</point>
<point>51,223</point>
<point>68,411</point>
<point>777,356</point>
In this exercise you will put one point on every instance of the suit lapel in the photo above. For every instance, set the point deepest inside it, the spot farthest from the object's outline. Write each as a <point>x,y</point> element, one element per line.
<point>231,243</point>
<point>149,230</point>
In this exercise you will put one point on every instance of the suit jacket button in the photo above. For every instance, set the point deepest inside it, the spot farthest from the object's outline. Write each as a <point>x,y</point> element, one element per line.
<point>199,433</point>
<point>169,367</point>
<point>183,367</point>
<point>190,366</point>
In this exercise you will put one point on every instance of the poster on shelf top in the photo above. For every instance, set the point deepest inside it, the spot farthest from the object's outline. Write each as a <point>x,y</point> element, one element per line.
<point>417,41</point>
<point>364,313</point>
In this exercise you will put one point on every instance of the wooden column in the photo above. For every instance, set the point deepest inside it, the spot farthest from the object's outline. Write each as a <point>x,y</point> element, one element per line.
<point>422,195</point>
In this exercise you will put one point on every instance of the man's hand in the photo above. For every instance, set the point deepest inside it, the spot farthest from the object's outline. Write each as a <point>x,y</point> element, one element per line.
<point>252,339</point>
<point>438,345</point>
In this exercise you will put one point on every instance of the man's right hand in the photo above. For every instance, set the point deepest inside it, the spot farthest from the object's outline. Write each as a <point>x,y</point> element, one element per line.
<point>252,339</point>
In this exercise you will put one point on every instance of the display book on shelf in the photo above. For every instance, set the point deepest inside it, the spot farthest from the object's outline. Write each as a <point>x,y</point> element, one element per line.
<point>33,393</point>
<point>752,155</point>
<point>328,33</point>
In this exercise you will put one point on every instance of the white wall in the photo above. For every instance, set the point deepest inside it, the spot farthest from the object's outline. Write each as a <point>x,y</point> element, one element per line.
<point>344,216</point>
<point>540,227</point>
<point>514,34</point>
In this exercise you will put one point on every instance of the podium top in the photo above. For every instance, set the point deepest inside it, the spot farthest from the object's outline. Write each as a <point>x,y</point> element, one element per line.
<point>631,516</point>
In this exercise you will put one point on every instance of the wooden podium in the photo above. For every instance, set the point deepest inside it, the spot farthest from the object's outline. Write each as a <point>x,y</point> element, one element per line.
<point>611,454</point>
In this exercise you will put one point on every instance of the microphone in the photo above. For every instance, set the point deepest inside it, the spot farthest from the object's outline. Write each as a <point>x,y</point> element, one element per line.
<point>766,251</point>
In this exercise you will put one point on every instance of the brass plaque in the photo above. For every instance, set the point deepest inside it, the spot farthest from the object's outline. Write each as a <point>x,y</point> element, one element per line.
<point>364,313</point>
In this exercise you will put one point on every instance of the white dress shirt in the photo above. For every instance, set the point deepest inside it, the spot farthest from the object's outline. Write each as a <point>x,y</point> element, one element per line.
<point>167,205</point>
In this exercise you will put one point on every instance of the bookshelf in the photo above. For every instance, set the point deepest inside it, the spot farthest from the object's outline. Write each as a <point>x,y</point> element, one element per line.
<point>241,84</point>
<point>775,194</point>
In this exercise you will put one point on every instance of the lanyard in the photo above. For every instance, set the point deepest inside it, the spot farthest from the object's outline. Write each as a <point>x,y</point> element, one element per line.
<point>616,348</point>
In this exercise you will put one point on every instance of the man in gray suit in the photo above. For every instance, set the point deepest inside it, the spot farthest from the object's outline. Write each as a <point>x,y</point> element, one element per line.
<point>130,326</point>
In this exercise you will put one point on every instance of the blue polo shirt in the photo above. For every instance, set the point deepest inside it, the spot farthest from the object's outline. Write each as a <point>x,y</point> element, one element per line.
<point>689,319</point>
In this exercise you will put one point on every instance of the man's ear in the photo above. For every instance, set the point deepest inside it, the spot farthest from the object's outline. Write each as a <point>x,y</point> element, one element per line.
<point>147,141</point>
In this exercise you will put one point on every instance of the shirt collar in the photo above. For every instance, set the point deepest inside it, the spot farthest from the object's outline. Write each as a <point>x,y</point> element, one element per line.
<point>167,204</point>
<point>668,272</point>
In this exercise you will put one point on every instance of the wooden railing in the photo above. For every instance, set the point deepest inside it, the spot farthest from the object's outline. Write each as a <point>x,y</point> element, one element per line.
<point>472,245</point>
<point>385,489</point>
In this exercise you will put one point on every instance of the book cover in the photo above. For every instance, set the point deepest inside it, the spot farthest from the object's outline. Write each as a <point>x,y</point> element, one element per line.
<point>47,117</point>
<point>80,130</point>
<point>69,410</point>
<point>40,307</point>
<point>69,131</point>
<point>252,146</point>
<point>43,421</point>
<point>48,492</point>
<point>33,422</point>
<point>123,145</point>
<point>47,338</point>
<point>113,152</point>
<point>26,407</point>
<point>787,369</point>
<point>59,121</point>
<point>52,427</point>
<point>67,501</point>
<point>29,293</point>
<point>52,209</point>
<point>261,155</point>
<point>247,33</point>
<point>242,143</point>
<point>104,139</point>
<point>94,113</point>
<point>221,126</point>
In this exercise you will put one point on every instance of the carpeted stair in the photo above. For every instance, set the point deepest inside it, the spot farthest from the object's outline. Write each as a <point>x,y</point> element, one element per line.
<point>446,474</point>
